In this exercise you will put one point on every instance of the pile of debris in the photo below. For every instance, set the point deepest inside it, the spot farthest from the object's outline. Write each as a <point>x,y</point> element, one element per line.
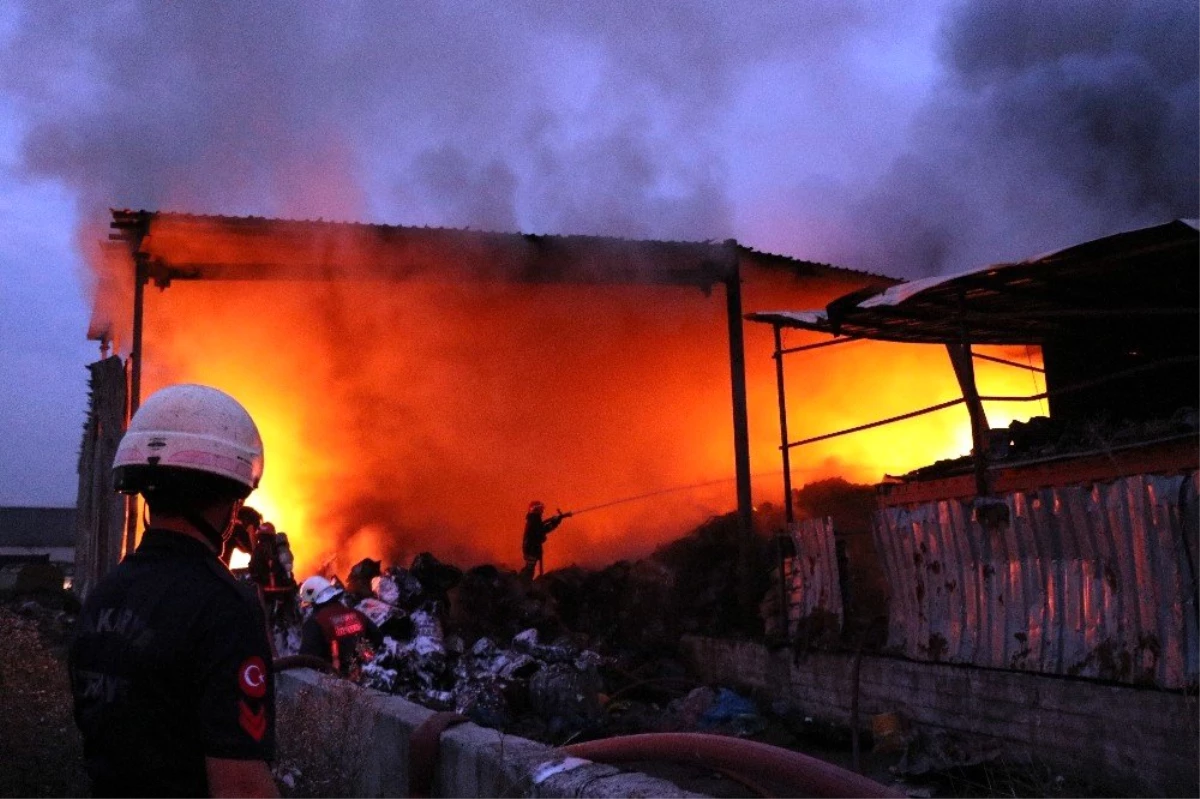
<point>573,655</point>
<point>1043,437</point>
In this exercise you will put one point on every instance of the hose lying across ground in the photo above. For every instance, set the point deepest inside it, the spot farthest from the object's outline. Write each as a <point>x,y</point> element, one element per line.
<point>748,762</point>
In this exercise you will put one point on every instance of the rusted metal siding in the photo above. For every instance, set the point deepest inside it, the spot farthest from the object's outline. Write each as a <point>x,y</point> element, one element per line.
<point>100,512</point>
<point>1096,581</point>
<point>814,586</point>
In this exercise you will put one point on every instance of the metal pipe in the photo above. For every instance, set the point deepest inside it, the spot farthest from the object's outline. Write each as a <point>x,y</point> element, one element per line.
<point>940,406</point>
<point>789,512</point>
<point>819,344</point>
<point>788,503</point>
<point>1027,366</point>
<point>797,773</point>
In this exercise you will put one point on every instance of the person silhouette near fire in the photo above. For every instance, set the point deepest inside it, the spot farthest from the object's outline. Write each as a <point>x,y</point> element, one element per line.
<point>243,534</point>
<point>270,569</point>
<point>536,530</point>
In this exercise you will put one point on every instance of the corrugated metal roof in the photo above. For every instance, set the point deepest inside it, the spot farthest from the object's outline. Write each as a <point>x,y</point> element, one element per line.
<point>1135,277</point>
<point>1091,580</point>
<point>179,246</point>
<point>37,527</point>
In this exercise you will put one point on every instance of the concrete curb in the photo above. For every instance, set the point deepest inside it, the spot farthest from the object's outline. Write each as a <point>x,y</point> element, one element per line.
<point>473,761</point>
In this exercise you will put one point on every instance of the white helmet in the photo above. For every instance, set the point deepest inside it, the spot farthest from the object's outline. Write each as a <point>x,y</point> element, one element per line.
<point>317,589</point>
<point>194,428</point>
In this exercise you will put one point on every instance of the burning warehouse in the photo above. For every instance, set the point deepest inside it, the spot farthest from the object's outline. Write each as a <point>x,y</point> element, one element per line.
<point>418,387</point>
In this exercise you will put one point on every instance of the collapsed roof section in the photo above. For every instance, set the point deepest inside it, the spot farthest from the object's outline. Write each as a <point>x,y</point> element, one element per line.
<point>1142,278</point>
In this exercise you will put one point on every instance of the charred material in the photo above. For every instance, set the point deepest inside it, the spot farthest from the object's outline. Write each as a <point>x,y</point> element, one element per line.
<point>573,655</point>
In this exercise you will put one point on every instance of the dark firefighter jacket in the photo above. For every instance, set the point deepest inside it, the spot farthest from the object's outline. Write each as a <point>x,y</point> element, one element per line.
<point>335,634</point>
<point>170,665</point>
<point>536,530</point>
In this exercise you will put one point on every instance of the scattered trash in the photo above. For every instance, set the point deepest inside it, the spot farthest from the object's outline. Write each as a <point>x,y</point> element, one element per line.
<point>546,659</point>
<point>887,731</point>
<point>732,711</point>
<point>937,751</point>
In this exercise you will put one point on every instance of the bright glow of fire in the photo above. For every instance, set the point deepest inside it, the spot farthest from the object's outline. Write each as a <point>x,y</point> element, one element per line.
<point>424,416</point>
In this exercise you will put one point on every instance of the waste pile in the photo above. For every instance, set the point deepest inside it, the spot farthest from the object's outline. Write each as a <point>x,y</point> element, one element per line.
<point>572,655</point>
<point>1043,437</point>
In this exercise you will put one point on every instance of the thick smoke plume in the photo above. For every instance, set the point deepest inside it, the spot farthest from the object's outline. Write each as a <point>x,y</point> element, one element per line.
<point>825,130</point>
<point>1054,123</point>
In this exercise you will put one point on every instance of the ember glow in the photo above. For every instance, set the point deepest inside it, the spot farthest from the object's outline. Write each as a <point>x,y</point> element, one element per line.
<point>424,415</point>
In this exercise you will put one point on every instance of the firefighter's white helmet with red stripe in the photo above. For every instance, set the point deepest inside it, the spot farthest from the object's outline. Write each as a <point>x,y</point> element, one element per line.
<point>317,589</point>
<point>190,428</point>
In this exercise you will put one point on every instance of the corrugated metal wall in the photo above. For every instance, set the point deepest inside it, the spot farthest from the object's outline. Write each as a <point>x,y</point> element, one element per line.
<point>1096,581</point>
<point>100,512</point>
<point>813,586</point>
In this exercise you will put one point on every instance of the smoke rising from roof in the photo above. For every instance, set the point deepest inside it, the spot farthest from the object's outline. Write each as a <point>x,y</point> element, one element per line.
<point>905,138</point>
<point>1050,121</point>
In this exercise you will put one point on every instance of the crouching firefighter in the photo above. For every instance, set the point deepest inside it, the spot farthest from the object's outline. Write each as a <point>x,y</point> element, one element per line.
<point>341,636</point>
<point>536,530</point>
<point>170,665</point>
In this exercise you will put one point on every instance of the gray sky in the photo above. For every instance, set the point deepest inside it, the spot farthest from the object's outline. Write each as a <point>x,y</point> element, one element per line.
<point>904,138</point>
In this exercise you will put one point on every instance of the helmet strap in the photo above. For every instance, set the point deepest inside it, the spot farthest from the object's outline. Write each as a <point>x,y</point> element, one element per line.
<point>206,528</point>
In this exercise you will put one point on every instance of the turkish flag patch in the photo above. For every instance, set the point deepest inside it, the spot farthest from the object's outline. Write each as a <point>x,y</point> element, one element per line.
<point>253,722</point>
<point>252,677</point>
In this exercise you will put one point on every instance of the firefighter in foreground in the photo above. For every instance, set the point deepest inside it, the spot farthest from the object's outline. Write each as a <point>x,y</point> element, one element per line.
<point>341,636</point>
<point>536,530</point>
<point>170,667</point>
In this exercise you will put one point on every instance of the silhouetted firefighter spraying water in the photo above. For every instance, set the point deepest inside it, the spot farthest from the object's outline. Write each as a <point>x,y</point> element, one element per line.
<point>536,530</point>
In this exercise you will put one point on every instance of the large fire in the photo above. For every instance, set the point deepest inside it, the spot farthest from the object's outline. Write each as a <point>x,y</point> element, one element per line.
<point>424,415</point>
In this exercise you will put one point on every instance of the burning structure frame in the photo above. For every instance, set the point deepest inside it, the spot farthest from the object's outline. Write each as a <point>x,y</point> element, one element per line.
<point>161,248</point>
<point>1095,547</point>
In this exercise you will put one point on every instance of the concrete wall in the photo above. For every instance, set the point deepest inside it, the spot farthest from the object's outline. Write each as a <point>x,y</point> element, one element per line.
<point>1139,740</point>
<point>366,734</point>
<point>57,554</point>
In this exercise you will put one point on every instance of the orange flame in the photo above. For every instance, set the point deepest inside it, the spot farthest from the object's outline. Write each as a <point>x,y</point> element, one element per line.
<point>424,415</point>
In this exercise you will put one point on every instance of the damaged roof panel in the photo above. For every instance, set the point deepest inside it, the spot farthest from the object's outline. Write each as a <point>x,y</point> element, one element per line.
<point>1141,276</point>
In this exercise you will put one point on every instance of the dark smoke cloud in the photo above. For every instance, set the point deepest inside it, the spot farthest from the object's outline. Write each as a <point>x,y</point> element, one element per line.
<point>589,117</point>
<point>1055,123</point>
<point>823,129</point>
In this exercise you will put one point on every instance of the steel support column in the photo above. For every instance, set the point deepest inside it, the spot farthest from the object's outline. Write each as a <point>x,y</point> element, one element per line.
<point>789,510</point>
<point>741,426</point>
<point>140,278</point>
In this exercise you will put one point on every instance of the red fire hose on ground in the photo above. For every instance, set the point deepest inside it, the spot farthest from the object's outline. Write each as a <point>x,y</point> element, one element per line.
<point>301,662</point>
<point>748,762</point>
